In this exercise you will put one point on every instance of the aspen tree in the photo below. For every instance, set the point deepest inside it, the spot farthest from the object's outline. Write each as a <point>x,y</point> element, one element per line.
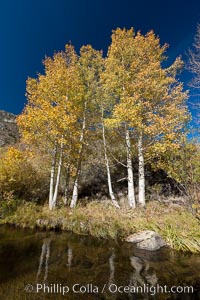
<point>91,65</point>
<point>85,68</point>
<point>117,80</point>
<point>49,117</point>
<point>149,99</point>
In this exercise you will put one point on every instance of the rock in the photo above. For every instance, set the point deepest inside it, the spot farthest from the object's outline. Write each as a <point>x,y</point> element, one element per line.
<point>146,240</point>
<point>39,222</point>
<point>9,133</point>
<point>42,222</point>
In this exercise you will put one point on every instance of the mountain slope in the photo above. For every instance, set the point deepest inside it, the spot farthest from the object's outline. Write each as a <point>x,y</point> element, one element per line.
<point>8,128</point>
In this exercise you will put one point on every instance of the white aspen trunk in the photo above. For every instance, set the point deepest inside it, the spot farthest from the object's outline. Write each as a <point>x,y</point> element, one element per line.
<point>67,184</point>
<point>58,178</point>
<point>51,186</point>
<point>111,193</point>
<point>76,182</point>
<point>75,192</point>
<point>141,174</point>
<point>131,190</point>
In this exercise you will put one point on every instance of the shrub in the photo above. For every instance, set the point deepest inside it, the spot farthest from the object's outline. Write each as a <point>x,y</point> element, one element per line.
<point>19,176</point>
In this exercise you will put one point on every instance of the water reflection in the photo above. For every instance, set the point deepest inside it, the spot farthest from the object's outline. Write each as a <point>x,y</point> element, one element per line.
<point>44,259</point>
<point>142,273</point>
<point>112,268</point>
<point>69,256</point>
<point>67,259</point>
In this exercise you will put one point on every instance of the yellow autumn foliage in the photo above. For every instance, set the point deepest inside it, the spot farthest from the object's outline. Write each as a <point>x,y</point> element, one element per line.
<point>17,175</point>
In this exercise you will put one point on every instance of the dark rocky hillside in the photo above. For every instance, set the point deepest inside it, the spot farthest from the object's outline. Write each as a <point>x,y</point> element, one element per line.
<point>8,128</point>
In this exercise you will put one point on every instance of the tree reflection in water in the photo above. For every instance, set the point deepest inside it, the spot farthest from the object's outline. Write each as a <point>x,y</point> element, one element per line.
<point>69,256</point>
<point>44,259</point>
<point>68,259</point>
<point>112,268</point>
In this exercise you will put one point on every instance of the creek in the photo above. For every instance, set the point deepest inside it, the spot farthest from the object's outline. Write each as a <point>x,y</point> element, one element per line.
<point>49,265</point>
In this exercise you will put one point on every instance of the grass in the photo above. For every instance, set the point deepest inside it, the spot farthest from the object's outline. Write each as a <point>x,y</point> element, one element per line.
<point>176,225</point>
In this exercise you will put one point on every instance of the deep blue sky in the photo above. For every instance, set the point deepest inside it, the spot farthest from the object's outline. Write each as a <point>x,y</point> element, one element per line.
<point>31,29</point>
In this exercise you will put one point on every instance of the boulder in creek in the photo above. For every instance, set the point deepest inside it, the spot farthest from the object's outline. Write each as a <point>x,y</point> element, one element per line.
<point>147,240</point>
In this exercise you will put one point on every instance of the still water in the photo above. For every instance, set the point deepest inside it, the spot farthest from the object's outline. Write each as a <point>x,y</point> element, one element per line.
<point>47,265</point>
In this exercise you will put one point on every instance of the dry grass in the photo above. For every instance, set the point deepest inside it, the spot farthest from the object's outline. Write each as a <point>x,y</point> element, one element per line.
<point>100,219</point>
